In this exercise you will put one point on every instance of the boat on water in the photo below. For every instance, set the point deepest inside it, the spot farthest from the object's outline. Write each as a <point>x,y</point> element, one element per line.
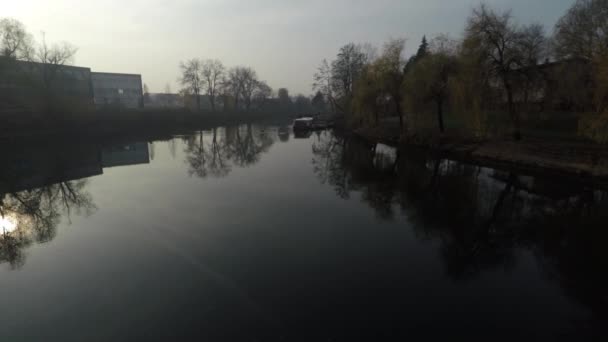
<point>306,123</point>
<point>303,124</point>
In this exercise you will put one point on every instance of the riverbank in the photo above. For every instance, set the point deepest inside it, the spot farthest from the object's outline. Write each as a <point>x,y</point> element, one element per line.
<point>574,159</point>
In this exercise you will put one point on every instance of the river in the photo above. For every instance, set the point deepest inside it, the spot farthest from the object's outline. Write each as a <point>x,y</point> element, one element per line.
<point>249,233</point>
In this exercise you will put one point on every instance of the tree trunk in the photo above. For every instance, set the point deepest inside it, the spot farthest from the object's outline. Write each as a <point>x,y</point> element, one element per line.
<point>198,102</point>
<point>512,112</point>
<point>440,114</point>
<point>397,100</point>
<point>212,100</point>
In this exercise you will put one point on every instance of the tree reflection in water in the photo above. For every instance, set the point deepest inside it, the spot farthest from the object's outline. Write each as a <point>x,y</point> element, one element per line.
<point>32,216</point>
<point>214,153</point>
<point>482,217</point>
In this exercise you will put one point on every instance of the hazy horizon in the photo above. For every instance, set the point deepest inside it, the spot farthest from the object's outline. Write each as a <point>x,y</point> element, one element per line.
<point>283,41</point>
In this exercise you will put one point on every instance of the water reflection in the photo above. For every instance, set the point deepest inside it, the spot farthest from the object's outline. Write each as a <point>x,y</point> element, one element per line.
<point>482,218</point>
<point>42,185</point>
<point>214,153</point>
<point>125,155</point>
<point>33,216</point>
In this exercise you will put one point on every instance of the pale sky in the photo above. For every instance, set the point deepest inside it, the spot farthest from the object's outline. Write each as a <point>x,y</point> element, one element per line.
<point>283,40</point>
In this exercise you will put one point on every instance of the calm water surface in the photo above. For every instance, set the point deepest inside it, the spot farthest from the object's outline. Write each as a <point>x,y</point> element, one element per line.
<point>252,234</point>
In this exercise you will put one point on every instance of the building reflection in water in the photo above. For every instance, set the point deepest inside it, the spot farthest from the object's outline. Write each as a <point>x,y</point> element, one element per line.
<point>125,155</point>
<point>481,217</point>
<point>41,185</point>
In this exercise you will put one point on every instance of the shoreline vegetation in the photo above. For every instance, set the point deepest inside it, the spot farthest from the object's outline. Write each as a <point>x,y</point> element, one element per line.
<point>574,160</point>
<point>503,94</point>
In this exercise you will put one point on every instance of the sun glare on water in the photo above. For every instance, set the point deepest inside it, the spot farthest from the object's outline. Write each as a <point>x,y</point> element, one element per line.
<point>7,225</point>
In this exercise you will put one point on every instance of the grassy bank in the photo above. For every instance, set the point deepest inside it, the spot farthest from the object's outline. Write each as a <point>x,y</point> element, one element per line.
<point>574,157</point>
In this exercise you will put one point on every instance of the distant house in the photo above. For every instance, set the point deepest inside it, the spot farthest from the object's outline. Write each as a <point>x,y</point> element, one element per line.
<point>112,89</point>
<point>205,101</point>
<point>565,85</point>
<point>161,100</point>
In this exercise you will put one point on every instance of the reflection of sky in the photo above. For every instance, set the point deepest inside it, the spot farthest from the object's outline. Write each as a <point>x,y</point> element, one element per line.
<point>263,243</point>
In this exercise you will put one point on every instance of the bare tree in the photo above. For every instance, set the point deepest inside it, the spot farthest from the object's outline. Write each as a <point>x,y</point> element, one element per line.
<point>496,40</point>
<point>15,41</point>
<point>322,83</point>
<point>583,31</point>
<point>191,78</point>
<point>52,58</point>
<point>241,83</point>
<point>345,70</point>
<point>213,72</point>
<point>249,83</point>
<point>232,87</point>
<point>262,93</point>
<point>533,49</point>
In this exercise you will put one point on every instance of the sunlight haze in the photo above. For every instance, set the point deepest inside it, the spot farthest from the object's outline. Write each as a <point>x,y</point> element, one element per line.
<point>283,40</point>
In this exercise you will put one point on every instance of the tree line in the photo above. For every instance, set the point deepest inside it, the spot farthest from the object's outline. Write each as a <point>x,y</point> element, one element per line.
<point>497,65</point>
<point>236,88</point>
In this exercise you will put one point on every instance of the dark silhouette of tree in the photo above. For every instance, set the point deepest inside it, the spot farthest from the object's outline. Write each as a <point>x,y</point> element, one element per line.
<point>497,42</point>
<point>15,41</point>
<point>284,99</point>
<point>212,72</point>
<point>345,70</point>
<point>50,61</point>
<point>302,104</point>
<point>583,31</point>
<point>390,67</point>
<point>262,94</point>
<point>423,50</point>
<point>35,214</point>
<point>322,83</point>
<point>428,81</point>
<point>318,102</point>
<point>191,79</point>
<point>243,84</point>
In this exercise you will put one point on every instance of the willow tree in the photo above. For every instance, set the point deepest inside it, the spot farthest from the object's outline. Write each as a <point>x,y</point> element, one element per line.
<point>369,95</point>
<point>390,67</point>
<point>428,82</point>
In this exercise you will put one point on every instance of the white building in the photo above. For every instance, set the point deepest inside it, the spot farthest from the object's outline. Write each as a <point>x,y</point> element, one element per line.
<point>111,89</point>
